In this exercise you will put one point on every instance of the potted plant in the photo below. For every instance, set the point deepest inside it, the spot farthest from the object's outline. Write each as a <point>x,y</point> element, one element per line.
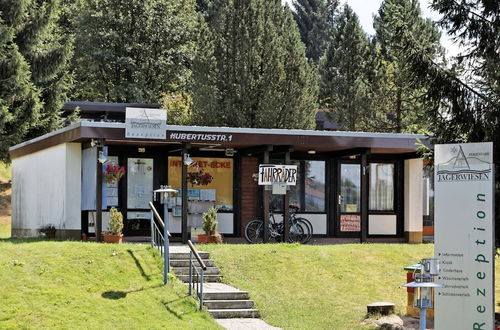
<point>209,226</point>
<point>48,230</point>
<point>114,235</point>
<point>113,173</point>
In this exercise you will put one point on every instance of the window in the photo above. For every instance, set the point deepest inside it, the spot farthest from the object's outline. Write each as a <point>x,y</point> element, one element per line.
<point>309,193</point>
<point>428,195</point>
<point>381,187</point>
<point>211,179</point>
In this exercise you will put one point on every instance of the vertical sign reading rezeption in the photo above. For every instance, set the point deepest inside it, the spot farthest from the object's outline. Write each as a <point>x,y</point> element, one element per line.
<point>464,235</point>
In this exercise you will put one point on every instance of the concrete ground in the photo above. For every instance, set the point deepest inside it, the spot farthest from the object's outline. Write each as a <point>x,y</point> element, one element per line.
<point>245,324</point>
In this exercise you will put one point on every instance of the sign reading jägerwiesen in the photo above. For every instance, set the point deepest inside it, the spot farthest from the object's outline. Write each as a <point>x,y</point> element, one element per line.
<point>464,235</point>
<point>145,123</point>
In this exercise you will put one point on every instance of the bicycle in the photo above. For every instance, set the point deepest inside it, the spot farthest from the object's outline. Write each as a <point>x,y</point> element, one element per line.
<point>300,229</point>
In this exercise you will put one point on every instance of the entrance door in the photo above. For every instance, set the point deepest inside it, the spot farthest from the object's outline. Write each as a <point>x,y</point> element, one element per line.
<point>139,193</point>
<point>349,200</point>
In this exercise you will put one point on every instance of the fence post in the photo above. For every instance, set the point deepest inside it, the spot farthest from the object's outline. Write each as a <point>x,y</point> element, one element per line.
<point>190,270</point>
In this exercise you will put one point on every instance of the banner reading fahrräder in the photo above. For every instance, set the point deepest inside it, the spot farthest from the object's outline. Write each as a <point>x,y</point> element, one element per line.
<point>464,235</point>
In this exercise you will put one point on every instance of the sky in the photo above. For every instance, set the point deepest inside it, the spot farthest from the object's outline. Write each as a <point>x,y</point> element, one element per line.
<point>365,9</point>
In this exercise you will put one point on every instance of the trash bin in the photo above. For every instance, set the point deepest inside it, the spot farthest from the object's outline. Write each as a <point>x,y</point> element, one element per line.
<point>410,310</point>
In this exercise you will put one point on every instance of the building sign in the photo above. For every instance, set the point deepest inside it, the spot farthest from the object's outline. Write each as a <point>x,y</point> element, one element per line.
<point>203,137</point>
<point>464,235</point>
<point>145,123</point>
<point>269,174</point>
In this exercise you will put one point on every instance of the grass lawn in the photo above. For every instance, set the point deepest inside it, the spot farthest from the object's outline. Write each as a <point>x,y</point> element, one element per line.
<point>318,287</point>
<point>74,285</point>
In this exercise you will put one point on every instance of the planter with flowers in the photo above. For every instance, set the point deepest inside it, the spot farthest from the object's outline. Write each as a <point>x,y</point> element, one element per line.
<point>113,173</point>
<point>114,235</point>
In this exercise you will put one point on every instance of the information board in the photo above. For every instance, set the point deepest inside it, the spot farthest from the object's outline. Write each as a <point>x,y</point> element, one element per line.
<point>464,236</point>
<point>270,174</point>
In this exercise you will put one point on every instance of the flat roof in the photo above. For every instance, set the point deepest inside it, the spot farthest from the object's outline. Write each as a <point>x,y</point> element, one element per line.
<point>226,137</point>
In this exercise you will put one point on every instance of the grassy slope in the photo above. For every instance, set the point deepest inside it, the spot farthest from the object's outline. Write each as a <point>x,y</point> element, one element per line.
<point>74,285</point>
<point>5,192</point>
<point>318,287</point>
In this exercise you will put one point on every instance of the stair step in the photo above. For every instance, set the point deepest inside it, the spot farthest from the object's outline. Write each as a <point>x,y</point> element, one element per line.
<point>185,270</point>
<point>185,255</point>
<point>228,304</point>
<point>234,313</point>
<point>226,295</point>
<point>185,263</point>
<point>207,278</point>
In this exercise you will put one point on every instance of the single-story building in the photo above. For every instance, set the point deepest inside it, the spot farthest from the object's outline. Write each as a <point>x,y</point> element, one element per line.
<point>349,184</point>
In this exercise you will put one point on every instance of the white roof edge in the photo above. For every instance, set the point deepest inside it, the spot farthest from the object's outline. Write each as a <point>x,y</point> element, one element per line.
<point>277,131</point>
<point>42,137</point>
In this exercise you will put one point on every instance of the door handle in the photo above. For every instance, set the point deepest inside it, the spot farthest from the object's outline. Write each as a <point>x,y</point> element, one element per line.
<point>340,199</point>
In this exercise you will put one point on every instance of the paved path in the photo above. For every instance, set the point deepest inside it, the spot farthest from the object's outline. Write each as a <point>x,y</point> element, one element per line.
<point>244,324</point>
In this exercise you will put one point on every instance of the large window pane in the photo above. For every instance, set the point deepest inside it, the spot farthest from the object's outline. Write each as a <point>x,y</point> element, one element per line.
<point>314,186</point>
<point>381,187</point>
<point>350,188</point>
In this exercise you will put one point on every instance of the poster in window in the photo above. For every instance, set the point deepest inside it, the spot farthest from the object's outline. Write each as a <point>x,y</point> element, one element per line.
<point>215,174</point>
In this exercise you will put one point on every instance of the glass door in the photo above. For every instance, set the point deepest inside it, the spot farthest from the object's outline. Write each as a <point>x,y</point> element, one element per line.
<point>349,200</point>
<point>139,193</point>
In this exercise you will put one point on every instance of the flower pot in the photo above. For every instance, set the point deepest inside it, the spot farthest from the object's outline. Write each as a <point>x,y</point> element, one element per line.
<point>111,238</point>
<point>203,239</point>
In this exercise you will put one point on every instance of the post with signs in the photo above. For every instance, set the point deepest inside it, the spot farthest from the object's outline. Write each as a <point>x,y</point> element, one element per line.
<point>279,177</point>
<point>464,235</point>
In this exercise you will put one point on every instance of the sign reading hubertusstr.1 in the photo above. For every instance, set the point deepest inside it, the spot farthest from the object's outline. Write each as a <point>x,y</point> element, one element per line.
<point>145,123</point>
<point>464,236</point>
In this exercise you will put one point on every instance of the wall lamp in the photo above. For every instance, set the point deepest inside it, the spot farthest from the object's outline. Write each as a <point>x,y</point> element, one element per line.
<point>187,160</point>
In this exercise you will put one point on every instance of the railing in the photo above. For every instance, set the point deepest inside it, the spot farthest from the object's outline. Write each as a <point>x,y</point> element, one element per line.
<point>196,272</point>
<point>160,241</point>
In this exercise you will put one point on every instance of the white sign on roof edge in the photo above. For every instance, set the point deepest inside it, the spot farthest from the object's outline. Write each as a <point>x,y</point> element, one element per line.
<point>465,235</point>
<point>145,123</point>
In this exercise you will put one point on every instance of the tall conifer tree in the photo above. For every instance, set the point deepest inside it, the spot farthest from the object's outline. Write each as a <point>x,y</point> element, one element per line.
<point>251,69</point>
<point>397,102</point>
<point>34,60</point>
<point>314,19</point>
<point>343,82</point>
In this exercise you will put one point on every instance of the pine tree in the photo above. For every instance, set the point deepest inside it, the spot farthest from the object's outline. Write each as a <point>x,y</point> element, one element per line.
<point>314,19</point>
<point>34,59</point>
<point>396,100</point>
<point>343,83</point>
<point>132,50</point>
<point>251,69</point>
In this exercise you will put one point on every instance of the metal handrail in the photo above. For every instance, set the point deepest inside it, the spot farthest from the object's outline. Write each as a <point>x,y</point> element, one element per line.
<point>193,271</point>
<point>160,241</point>
<point>197,255</point>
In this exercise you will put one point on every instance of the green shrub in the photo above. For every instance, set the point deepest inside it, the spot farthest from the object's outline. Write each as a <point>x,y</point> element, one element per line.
<point>115,222</point>
<point>209,221</point>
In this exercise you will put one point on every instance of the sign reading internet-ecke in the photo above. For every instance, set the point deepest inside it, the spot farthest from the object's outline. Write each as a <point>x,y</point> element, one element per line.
<point>145,123</point>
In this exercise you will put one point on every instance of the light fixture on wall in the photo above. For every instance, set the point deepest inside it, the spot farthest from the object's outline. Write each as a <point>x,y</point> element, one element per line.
<point>102,157</point>
<point>311,152</point>
<point>187,160</point>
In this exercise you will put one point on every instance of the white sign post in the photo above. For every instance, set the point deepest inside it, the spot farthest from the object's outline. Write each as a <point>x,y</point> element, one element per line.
<point>279,176</point>
<point>145,123</point>
<point>464,236</point>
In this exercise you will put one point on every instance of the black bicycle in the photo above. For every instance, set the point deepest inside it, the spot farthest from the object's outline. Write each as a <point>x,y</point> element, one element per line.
<point>301,229</point>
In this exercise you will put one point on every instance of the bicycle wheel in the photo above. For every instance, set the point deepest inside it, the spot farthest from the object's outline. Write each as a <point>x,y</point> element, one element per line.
<point>296,234</point>
<point>308,229</point>
<point>254,231</point>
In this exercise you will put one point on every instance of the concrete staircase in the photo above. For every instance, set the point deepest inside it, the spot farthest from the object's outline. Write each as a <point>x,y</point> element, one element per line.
<point>221,300</point>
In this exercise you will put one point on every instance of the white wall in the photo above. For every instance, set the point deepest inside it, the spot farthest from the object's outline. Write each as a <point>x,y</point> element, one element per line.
<point>318,221</point>
<point>225,223</point>
<point>413,195</point>
<point>379,224</point>
<point>46,189</point>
